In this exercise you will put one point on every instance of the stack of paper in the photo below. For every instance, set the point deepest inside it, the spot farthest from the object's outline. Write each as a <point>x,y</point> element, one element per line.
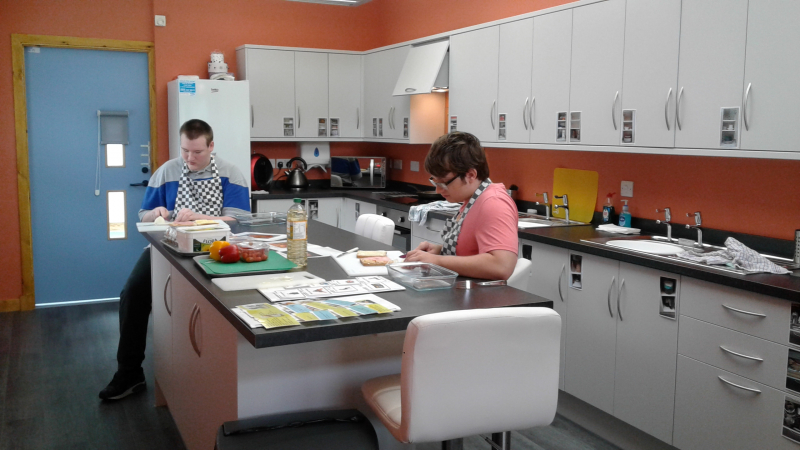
<point>611,228</point>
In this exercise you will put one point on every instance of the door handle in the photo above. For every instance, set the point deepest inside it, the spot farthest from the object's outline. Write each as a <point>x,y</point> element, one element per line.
<point>746,98</point>
<point>666,108</point>
<point>143,183</point>
<point>619,295</point>
<point>561,275</point>
<point>532,113</point>
<point>524,113</point>
<point>358,118</point>
<point>741,355</point>
<point>614,110</point>
<point>298,117</point>
<point>166,284</point>
<point>678,108</point>
<point>192,327</point>
<point>741,311</point>
<point>608,296</point>
<point>491,113</point>
<point>745,388</point>
<point>252,117</point>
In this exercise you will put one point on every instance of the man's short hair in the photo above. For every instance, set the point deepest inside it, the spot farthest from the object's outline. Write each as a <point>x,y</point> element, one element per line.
<point>196,128</point>
<point>457,153</point>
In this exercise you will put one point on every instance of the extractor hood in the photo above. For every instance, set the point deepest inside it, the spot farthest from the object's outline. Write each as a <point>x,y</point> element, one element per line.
<point>426,69</point>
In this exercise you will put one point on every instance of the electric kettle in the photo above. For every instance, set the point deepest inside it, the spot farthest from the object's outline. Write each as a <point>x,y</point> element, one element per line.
<point>297,177</point>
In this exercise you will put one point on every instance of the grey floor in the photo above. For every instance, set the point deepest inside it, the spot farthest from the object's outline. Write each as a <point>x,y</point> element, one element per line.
<point>54,361</point>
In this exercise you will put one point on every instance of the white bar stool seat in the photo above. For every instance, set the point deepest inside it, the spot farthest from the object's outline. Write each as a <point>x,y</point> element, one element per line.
<point>378,228</point>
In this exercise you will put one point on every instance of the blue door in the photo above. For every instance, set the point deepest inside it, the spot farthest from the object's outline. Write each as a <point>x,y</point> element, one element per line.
<point>74,255</point>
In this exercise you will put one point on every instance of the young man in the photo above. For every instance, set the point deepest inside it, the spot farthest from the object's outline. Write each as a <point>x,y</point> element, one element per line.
<point>197,185</point>
<point>481,240</point>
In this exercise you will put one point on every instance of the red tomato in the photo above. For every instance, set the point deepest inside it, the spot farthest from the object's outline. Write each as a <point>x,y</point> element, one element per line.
<point>229,254</point>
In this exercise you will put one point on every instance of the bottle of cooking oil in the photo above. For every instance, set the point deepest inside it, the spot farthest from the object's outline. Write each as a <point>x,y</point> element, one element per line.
<point>296,233</point>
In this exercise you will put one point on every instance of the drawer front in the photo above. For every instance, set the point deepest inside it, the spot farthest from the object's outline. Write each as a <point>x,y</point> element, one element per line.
<point>711,414</point>
<point>758,315</point>
<point>705,342</point>
<point>431,231</point>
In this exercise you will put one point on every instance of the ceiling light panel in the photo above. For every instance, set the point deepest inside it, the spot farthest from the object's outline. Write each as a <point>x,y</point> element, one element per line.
<point>334,2</point>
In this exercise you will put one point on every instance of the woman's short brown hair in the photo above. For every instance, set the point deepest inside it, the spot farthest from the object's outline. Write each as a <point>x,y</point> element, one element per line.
<point>457,153</point>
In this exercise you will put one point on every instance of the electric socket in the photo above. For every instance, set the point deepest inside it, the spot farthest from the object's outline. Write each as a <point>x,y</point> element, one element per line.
<point>161,21</point>
<point>398,164</point>
<point>415,166</point>
<point>282,163</point>
<point>626,189</point>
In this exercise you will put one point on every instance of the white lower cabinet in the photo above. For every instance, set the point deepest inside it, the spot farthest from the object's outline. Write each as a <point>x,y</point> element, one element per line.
<point>716,409</point>
<point>622,338</point>
<point>160,277</point>
<point>351,209</point>
<point>549,280</point>
<point>430,232</point>
<point>325,210</point>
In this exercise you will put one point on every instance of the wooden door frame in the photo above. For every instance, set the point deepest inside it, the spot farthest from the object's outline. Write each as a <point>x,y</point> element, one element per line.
<point>18,44</point>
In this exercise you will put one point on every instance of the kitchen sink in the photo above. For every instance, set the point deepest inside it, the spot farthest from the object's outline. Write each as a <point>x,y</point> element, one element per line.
<point>536,220</point>
<point>661,247</point>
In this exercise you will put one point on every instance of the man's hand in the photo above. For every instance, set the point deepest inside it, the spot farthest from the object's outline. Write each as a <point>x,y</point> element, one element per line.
<point>155,213</point>
<point>425,252</point>
<point>186,215</point>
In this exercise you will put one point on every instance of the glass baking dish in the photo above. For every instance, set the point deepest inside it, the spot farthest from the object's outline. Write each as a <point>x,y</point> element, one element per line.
<point>265,218</point>
<point>422,276</point>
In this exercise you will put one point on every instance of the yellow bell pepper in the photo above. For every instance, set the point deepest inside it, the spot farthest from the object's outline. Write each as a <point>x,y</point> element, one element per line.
<point>216,247</point>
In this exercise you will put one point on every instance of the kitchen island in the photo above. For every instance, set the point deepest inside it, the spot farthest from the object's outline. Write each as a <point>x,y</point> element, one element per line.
<point>211,367</point>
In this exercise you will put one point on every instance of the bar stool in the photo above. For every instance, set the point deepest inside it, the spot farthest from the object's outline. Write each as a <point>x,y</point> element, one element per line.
<point>521,275</point>
<point>375,227</point>
<point>471,372</point>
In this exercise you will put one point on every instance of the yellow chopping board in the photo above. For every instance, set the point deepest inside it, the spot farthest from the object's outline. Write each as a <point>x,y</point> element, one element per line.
<point>581,189</point>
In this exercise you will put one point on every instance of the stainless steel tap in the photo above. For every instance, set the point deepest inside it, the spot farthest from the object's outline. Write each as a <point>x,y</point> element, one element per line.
<point>546,204</point>
<point>564,205</point>
<point>698,221</point>
<point>667,219</point>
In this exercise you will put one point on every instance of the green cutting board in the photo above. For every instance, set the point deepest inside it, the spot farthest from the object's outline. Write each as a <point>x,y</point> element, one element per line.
<point>275,263</point>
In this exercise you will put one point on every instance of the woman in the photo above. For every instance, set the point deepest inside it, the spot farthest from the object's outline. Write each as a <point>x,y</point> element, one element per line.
<point>481,240</point>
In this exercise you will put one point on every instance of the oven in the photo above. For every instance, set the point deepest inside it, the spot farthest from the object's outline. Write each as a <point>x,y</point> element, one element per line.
<point>402,227</point>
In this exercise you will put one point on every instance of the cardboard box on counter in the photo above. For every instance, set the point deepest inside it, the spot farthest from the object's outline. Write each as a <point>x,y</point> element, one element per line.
<point>189,240</point>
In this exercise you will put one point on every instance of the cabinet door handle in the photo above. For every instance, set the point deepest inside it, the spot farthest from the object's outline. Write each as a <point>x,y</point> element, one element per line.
<point>741,311</point>
<point>491,113</point>
<point>678,108</point>
<point>192,326</point>
<point>746,98</point>
<point>560,276</point>
<point>619,297</point>
<point>754,358</point>
<point>738,385</point>
<point>431,229</point>
<point>252,117</point>
<point>614,110</point>
<point>524,113</point>
<point>532,113</point>
<point>166,285</point>
<point>666,108</point>
<point>298,117</point>
<point>608,296</point>
<point>358,118</point>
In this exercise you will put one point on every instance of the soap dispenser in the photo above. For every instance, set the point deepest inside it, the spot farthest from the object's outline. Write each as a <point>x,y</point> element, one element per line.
<point>625,216</point>
<point>608,209</point>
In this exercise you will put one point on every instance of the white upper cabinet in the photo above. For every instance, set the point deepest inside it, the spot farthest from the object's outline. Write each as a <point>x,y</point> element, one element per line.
<point>344,95</point>
<point>271,75</point>
<point>550,76</point>
<point>514,89</point>
<point>311,94</point>
<point>598,38</point>
<point>771,99</point>
<point>650,77</point>
<point>711,71</point>
<point>383,113</point>
<point>473,81</point>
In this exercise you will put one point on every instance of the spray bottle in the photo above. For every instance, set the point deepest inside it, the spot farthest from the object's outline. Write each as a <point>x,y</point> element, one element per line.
<point>608,209</point>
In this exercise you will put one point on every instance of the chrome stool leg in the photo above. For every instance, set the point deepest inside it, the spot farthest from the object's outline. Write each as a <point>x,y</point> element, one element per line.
<point>500,441</point>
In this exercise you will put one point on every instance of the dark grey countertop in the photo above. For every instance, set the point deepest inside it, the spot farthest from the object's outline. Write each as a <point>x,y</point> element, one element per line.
<point>781,286</point>
<point>411,302</point>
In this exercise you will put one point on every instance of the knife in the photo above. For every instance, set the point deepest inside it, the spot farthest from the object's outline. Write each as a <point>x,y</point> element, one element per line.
<point>344,253</point>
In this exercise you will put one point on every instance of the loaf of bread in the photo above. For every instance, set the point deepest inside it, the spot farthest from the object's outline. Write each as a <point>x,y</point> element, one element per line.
<point>375,261</point>
<point>370,254</point>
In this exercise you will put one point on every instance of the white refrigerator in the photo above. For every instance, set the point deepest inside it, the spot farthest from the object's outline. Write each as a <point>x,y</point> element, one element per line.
<point>225,105</point>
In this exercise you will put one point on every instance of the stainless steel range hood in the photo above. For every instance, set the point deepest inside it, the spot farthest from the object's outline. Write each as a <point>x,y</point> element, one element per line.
<point>426,69</point>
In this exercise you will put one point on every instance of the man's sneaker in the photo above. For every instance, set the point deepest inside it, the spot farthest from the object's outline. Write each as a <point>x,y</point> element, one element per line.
<point>123,385</point>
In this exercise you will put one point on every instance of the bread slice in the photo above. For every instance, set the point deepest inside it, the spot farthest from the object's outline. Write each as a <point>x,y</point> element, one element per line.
<point>370,254</point>
<point>376,261</point>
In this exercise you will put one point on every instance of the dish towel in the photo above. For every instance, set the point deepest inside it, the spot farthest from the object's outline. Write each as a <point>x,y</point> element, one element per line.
<point>419,213</point>
<point>611,228</point>
<point>736,255</point>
